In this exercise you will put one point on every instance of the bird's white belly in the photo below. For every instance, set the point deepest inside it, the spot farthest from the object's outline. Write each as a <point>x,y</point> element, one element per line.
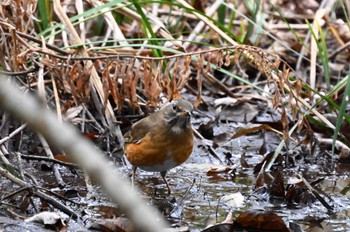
<point>169,163</point>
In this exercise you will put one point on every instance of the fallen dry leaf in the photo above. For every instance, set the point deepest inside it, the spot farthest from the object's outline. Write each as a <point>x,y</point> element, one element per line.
<point>119,224</point>
<point>234,200</point>
<point>220,169</point>
<point>49,219</point>
<point>260,221</point>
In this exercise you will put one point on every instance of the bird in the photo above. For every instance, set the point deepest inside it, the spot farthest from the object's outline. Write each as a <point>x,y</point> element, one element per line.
<point>162,140</point>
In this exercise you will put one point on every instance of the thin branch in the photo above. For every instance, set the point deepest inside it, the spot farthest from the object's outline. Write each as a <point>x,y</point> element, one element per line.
<point>56,161</point>
<point>14,133</point>
<point>50,155</point>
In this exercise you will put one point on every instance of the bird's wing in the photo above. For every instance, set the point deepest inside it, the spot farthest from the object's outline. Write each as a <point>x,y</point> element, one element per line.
<point>141,128</point>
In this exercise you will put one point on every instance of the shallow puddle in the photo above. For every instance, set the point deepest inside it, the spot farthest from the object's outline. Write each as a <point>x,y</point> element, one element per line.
<point>198,198</point>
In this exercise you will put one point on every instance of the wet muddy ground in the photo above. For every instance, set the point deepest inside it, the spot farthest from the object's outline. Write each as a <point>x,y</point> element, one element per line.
<point>198,198</point>
<point>201,197</point>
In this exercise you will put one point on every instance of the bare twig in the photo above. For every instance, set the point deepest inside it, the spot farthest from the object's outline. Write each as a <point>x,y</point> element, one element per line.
<point>211,150</point>
<point>339,50</point>
<point>20,165</point>
<point>22,73</point>
<point>23,184</point>
<point>50,155</point>
<point>316,194</point>
<point>48,159</point>
<point>15,132</point>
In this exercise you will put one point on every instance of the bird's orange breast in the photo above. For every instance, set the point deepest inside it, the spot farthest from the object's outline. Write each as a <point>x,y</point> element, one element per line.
<point>160,150</point>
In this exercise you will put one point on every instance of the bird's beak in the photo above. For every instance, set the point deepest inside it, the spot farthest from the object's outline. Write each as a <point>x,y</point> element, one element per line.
<point>185,113</point>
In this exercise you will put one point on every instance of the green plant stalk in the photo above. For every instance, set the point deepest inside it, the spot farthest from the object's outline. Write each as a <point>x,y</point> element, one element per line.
<point>45,12</point>
<point>89,14</point>
<point>324,57</point>
<point>95,12</point>
<point>232,18</point>
<point>345,12</point>
<point>285,45</point>
<point>217,23</point>
<point>241,32</point>
<point>222,14</point>
<point>254,10</point>
<point>98,29</point>
<point>300,40</point>
<point>322,52</point>
<point>178,27</point>
<point>147,28</point>
<point>278,150</point>
<point>341,111</point>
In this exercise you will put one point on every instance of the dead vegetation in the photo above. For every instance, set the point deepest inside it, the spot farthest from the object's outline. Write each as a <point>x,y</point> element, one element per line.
<point>98,64</point>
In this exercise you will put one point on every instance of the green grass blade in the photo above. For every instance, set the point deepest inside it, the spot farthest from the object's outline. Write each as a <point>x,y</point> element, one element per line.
<point>147,28</point>
<point>324,57</point>
<point>322,51</point>
<point>89,14</point>
<point>254,10</point>
<point>45,14</point>
<point>341,112</point>
<point>222,14</point>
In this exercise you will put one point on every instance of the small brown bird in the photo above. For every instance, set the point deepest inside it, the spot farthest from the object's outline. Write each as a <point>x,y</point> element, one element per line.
<point>161,141</point>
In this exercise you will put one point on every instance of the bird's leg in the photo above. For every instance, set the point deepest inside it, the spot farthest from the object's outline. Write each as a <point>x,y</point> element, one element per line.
<point>166,182</point>
<point>133,173</point>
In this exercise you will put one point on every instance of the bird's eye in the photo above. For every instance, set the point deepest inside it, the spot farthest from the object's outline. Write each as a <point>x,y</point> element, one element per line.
<point>175,107</point>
